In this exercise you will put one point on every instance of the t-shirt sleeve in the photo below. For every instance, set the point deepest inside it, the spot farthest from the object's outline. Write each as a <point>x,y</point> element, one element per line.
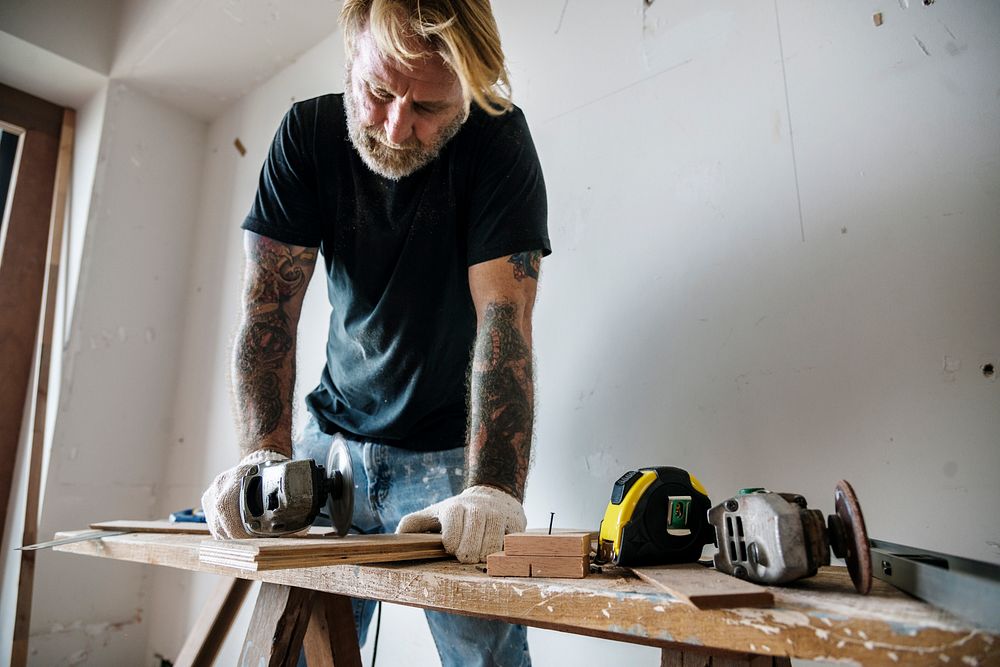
<point>286,207</point>
<point>508,209</point>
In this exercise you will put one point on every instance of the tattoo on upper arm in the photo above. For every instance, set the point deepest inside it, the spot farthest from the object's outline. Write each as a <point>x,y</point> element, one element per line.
<point>501,402</point>
<point>277,276</point>
<point>526,264</point>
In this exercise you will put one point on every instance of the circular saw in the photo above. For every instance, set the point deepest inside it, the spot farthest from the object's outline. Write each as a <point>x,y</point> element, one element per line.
<point>282,497</point>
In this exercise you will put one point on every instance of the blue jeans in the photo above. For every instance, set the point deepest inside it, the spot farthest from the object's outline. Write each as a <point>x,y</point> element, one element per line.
<point>389,483</point>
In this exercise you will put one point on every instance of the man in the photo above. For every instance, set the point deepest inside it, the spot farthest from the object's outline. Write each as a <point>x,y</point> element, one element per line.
<point>421,188</point>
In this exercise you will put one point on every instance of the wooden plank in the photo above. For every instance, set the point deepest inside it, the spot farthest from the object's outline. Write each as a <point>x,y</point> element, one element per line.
<point>284,552</point>
<point>332,636</point>
<point>277,627</point>
<point>23,265</point>
<point>705,588</point>
<point>542,544</point>
<point>820,618</point>
<point>502,564</point>
<point>179,527</point>
<point>39,408</point>
<point>213,623</point>
<point>162,526</point>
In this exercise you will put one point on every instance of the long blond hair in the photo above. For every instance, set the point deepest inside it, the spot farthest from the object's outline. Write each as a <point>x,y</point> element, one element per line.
<point>463,32</point>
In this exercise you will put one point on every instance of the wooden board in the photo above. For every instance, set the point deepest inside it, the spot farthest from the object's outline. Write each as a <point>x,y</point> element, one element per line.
<point>569,567</point>
<point>175,528</point>
<point>819,618</point>
<point>705,588</point>
<point>542,544</point>
<point>139,526</point>
<point>271,553</point>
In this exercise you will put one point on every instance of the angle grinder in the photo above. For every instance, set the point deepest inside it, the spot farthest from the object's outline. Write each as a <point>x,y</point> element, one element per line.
<point>775,538</point>
<point>282,497</point>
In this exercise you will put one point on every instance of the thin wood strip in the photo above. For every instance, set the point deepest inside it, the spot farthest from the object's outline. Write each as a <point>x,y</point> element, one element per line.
<point>705,588</point>
<point>43,357</point>
<point>319,561</point>
<point>160,526</point>
<point>213,623</point>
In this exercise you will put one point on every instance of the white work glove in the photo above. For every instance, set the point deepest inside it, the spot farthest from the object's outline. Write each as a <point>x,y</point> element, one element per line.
<point>472,524</point>
<point>221,501</point>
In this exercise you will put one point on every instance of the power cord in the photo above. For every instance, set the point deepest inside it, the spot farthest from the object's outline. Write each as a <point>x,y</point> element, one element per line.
<point>378,625</point>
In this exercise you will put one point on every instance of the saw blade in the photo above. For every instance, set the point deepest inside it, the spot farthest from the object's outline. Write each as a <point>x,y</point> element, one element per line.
<point>340,501</point>
<point>858,557</point>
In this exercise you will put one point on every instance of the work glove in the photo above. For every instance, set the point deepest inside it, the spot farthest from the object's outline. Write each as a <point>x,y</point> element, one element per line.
<point>472,524</point>
<point>221,501</point>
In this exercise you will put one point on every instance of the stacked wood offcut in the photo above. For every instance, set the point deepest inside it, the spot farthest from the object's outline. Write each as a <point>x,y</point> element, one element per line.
<point>560,554</point>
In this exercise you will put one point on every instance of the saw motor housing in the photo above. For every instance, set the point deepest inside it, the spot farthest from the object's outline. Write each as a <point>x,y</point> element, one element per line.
<point>283,497</point>
<point>775,538</point>
<point>768,537</point>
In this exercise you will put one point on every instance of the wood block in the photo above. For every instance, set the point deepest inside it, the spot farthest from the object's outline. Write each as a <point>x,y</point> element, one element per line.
<point>502,565</point>
<point>542,544</point>
<point>568,567</point>
<point>705,588</point>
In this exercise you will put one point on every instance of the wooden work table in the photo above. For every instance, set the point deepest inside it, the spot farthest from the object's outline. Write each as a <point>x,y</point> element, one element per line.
<point>821,618</point>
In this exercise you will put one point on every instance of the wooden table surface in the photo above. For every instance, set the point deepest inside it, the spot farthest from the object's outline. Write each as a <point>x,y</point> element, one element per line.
<point>821,618</point>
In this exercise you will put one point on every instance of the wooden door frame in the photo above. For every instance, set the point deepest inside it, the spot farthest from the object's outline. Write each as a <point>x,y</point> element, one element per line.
<point>22,266</point>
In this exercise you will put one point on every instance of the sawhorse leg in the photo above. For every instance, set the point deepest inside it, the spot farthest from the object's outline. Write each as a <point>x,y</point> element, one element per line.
<point>671,658</point>
<point>285,615</point>
<point>210,630</point>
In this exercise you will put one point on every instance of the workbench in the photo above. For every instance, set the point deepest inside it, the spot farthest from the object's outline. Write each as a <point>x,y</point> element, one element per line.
<point>821,618</point>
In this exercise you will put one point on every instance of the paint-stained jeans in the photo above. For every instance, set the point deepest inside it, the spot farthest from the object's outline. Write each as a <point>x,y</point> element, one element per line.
<point>389,483</point>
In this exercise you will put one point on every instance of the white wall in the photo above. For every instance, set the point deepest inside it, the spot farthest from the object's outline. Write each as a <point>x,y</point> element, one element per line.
<point>109,449</point>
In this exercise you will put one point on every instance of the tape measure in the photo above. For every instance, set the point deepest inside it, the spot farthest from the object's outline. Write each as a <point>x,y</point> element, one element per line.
<point>657,515</point>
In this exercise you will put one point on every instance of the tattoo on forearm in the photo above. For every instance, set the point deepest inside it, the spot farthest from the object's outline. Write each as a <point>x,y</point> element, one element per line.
<point>526,264</point>
<point>501,402</point>
<point>263,360</point>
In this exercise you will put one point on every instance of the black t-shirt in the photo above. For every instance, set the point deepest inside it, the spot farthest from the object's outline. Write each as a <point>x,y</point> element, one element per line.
<point>397,255</point>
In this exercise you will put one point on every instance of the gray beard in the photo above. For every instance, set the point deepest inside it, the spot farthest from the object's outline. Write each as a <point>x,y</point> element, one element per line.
<point>392,163</point>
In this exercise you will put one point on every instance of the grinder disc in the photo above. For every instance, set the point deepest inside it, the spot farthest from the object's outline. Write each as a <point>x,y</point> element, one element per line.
<point>340,501</point>
<point>858,556</point>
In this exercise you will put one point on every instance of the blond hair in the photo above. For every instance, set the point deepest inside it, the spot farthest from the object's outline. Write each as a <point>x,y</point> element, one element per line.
<point>463,32</point>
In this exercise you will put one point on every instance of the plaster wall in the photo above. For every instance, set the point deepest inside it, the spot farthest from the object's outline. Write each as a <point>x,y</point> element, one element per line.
<point>108,447</point>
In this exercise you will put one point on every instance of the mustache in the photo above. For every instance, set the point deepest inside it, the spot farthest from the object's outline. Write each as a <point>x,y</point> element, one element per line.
<point>378,134</point>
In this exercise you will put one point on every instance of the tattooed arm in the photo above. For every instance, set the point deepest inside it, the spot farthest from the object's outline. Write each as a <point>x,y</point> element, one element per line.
<point>263,373</point>
<point>501,397</point>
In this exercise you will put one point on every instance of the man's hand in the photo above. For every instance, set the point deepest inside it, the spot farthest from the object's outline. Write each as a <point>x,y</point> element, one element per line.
<point>472,524</point>
<point>221,501</point>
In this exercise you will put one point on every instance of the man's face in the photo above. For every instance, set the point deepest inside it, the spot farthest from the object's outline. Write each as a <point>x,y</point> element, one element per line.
<point>400,117</point>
